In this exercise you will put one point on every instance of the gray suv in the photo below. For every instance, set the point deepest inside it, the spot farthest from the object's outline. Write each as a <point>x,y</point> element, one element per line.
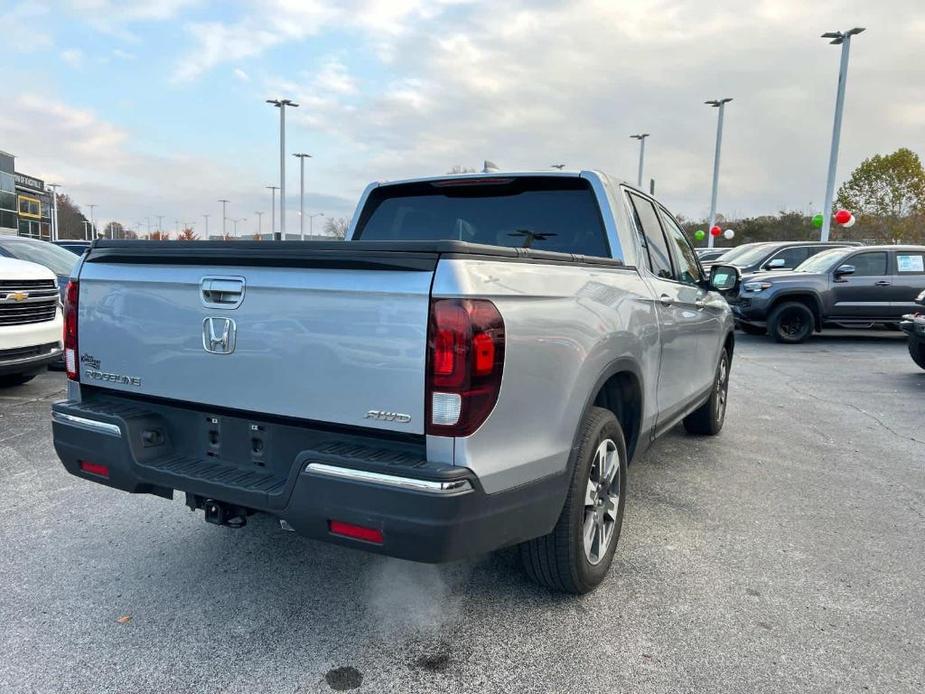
<point>850,287</point>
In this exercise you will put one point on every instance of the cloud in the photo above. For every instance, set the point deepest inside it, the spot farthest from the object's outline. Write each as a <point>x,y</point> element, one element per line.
<point>241,75</point>
<point>31,14</point>
<point>95,161</point>
<point>73,57</point>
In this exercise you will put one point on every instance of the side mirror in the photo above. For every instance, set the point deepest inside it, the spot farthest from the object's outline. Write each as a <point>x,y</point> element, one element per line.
<point>724,278</point>
<point>777,262</point>
<point>844,270</point>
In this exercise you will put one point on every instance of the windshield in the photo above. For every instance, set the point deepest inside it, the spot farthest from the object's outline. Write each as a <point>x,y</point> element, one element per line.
<point>739,251</point>
<point>547,214</point>
<point>56,259</point>
<point>822,261</point>
<point>749,256</point>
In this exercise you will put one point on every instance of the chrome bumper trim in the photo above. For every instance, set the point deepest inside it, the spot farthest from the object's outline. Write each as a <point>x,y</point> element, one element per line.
<point>84,423</point>
<point>411,483</point>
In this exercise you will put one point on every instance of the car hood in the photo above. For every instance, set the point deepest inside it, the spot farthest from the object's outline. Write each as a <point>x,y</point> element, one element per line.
<point>13,269</point>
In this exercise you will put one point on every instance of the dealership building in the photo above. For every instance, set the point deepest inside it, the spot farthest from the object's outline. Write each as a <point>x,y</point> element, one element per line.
<point>26,207</point>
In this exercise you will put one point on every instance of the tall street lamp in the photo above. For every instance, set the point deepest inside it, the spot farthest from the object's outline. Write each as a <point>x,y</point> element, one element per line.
<point>842,38</point>
<point>224,218</point>
<point>311,220</point>
<point>54,210</point>
<point>92,225</point>
<point>259,222</point>
<point>642,154</point>
<point>302,157</point>
<point>281,104</point>
<point>235,222</point>
<point>721,105</point>
<point>273,190</point>
<point>206,217</point>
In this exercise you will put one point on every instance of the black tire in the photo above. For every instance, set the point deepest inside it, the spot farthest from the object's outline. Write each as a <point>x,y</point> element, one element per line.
<point>11,380</point>
<point>917,352</point>
<point>707,420</point>
<point>560,560</point>
<point>791,322</point>
<point>752,329</point>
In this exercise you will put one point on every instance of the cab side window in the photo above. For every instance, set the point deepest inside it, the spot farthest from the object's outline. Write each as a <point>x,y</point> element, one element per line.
<point>689,270</point>
<point>792,256</point>
<point>653,237</point>
<point>868,264</point>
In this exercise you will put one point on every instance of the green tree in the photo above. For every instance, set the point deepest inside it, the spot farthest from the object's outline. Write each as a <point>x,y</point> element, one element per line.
<point>889,186</point>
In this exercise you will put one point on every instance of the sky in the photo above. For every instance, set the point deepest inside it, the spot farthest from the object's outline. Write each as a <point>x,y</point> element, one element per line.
<point>158,108</point>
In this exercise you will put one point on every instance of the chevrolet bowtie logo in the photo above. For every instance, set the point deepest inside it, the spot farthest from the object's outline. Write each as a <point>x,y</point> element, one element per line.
<point>17,296</point>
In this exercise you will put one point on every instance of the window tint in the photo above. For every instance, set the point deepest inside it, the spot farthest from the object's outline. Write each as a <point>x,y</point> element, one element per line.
<point>791,256</point>
<point>547,214</point>
<point>910,263</point>
<point>654,239</point>
<point>686,259</point>
<point>868,264</point>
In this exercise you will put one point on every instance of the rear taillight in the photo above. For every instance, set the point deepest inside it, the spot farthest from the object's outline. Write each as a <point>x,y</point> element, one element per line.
<point>70,330</point>
<point>465,360</point>
<point>92,468</point>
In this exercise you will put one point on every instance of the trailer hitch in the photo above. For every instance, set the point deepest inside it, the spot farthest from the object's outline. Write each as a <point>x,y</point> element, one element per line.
<point>219,512</point>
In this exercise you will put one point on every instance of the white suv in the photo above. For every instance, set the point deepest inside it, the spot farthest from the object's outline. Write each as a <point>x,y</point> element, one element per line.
<point>30,320</point>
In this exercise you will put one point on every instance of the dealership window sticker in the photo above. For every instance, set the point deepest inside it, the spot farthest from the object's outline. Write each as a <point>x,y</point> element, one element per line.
<point>910,263</point>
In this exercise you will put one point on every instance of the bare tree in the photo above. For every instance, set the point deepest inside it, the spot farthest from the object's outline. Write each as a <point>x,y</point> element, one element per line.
<point>187,235</point>
<point>336,226</point>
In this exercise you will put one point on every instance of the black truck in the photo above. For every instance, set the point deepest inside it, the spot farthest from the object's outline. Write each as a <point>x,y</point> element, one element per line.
<point>851,287</point>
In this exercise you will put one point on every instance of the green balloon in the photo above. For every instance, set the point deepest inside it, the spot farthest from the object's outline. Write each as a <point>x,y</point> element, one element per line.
<point>817,221</point>
<point>699,235</point>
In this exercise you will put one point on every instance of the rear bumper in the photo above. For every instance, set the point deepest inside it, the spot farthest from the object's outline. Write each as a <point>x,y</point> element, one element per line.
<point>426,512</point>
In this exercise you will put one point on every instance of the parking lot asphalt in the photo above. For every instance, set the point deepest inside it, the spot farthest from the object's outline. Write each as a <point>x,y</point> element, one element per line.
<point>786,554</point>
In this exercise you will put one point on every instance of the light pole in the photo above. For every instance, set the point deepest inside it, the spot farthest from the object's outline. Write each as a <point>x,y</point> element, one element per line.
<point>160,223</point>
<point>311,220</point>
<point>721,105</point>
<point>842,38</point>
<point>206,217</point>
<point>642,154</point>
<point>273,190</point>
<point>302,157</point>
<point>224,218</point>
<point>281,104</point>
<point>92,224</point>
<point>54,209</point>
<point>259,222</point>
<point>235,222</point>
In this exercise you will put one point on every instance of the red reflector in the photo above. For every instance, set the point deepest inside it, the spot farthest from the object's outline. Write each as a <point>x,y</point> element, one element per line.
<point>484,348</point>
<point>94,468</point>
<point>357,532</point>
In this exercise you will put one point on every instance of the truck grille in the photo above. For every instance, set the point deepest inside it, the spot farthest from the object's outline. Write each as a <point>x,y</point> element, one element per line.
<point>39,305</point>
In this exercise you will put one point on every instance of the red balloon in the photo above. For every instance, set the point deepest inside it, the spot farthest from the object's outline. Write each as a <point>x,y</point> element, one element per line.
<point>842,216</point>
<point>715,231</point>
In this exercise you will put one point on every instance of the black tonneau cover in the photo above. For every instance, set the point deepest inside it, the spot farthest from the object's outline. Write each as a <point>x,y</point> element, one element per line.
<point>378,255</point>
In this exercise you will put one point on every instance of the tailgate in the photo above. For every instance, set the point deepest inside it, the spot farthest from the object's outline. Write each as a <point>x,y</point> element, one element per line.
<point>314,334</point>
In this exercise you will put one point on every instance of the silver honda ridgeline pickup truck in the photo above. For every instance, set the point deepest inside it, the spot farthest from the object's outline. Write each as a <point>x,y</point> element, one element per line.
<point>472,369</point>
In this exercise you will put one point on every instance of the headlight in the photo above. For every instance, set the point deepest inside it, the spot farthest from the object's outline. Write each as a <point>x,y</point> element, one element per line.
<point>755,286</point>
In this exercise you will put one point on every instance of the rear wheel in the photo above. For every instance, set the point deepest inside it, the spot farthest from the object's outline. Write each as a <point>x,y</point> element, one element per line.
<point>709,417</point>
<point>15,380</point>
<point>577,554</point>
<point>917,352</point>
<point>791,322</point>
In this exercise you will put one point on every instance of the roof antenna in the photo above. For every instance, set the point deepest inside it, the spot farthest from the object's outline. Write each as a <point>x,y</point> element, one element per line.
<point>489,167</point>
<point>557,166</point>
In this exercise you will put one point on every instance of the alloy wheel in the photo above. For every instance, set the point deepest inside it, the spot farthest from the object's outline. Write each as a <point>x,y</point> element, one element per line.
<point>602,500</point>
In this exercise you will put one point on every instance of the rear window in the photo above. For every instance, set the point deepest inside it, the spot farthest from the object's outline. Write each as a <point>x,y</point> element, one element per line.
<point>547,214</point>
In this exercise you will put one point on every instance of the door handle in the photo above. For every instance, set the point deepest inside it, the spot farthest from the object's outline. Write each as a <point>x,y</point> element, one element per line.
<point>222,292</point>
<point>665,300</point>
<point>883,283</point>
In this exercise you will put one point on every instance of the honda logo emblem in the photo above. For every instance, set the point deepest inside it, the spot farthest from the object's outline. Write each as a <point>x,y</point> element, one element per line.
<point>218,335</point>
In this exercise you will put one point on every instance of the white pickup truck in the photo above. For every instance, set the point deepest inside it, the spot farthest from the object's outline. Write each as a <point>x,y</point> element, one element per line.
<point>472,369</point>
<point>30,320</point>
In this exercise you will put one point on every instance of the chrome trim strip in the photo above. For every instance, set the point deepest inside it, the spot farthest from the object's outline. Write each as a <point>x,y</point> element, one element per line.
<point>389,480</point>
<point>84,423</point>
